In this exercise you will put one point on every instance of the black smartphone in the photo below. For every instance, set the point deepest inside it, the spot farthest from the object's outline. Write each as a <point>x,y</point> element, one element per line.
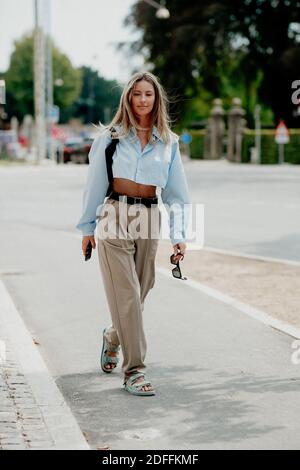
<point>88,252</point>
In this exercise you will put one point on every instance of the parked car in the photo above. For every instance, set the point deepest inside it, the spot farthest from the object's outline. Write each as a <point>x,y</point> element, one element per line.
<point>72,150</point>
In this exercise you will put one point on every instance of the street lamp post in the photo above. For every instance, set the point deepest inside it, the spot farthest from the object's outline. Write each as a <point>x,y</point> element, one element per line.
<point>49,82</point>
<point>162,12</point>
<point>39,86</point>
<point>2,92</point>
<point>3,114</point>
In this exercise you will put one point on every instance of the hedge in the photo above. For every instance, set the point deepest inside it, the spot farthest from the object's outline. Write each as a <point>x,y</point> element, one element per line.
<point>197,144</point>
<point>269,148</point>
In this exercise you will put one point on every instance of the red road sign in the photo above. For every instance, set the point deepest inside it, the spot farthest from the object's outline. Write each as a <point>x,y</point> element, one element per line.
<point>282,135</point>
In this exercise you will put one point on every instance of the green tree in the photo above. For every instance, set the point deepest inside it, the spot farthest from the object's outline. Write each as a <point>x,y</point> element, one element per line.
<point>19,79</point>
<point>249,47</point>
<point>99,98</point>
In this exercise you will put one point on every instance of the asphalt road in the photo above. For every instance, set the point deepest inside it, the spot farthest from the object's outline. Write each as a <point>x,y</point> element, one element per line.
<point>249,209</point>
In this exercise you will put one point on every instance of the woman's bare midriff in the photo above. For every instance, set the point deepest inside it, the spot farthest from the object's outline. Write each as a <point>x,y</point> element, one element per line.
<point>133,189</point>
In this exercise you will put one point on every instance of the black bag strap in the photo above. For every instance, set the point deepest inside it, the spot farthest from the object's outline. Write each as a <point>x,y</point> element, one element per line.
<point>109,151</point>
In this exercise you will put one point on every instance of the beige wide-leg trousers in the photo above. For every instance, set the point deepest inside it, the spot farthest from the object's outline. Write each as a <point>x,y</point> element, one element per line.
<point>127,265</point>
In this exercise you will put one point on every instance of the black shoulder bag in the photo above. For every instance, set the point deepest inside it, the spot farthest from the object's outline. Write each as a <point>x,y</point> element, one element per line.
<point>109,151</point>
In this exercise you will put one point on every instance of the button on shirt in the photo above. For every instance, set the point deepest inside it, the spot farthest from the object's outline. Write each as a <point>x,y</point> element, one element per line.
<point>158,164</point>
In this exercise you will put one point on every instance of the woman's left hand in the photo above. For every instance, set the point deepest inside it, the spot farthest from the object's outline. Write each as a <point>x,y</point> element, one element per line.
<point>179,251</point>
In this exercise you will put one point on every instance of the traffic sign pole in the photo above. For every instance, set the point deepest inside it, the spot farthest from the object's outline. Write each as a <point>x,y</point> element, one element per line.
<point>282,137</point>
<point>281,153</point>
<point>186,139</point>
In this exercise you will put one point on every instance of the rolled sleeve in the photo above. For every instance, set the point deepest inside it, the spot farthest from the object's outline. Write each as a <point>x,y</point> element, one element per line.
<point>176,198</point>
<point>96,185</point>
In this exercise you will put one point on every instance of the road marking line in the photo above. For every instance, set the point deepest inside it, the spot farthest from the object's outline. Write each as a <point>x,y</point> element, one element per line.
<point>245,255</point>
<point>196,247</point>
<point>241,306</point>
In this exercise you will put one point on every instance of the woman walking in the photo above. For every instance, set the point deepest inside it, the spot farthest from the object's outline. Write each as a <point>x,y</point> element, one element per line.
<point>145,156</point>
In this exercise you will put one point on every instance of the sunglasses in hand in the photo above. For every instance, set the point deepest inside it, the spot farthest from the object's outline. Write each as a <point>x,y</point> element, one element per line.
<point>177,271</point>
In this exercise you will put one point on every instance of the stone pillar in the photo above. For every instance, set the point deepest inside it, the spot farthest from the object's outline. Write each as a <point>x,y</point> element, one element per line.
<point>213,148</point>
<point>14,125</point>
<point>236,125</point>
<point>28,130</point>
<point>207,140</point>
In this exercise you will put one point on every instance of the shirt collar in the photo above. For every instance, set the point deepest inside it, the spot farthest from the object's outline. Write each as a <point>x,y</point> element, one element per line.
<point>155,133</point>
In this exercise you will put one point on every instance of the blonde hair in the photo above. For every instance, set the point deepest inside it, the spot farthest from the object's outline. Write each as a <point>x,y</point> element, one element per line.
<point>125,118</point>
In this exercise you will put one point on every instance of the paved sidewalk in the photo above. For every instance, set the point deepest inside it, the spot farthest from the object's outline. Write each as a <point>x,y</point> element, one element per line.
<point>21,423</point>
<point>33,413</point>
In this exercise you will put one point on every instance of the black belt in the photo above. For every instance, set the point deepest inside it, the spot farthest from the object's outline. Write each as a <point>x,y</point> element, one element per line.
<point>147,201</point>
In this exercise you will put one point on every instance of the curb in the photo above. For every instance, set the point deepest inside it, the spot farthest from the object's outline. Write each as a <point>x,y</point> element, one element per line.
<point>242,307</point>
<point>57,416</point>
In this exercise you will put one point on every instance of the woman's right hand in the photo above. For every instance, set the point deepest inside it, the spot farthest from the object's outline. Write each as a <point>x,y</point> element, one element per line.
<point>85,242</point>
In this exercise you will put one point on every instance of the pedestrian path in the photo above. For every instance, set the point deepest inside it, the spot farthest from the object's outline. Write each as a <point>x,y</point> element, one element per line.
<point>33,413</point>
<point>21,422</point>
<point>223,380</point>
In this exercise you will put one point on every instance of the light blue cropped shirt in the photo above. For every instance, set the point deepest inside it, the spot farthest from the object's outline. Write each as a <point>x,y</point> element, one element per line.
<point>158,164</point>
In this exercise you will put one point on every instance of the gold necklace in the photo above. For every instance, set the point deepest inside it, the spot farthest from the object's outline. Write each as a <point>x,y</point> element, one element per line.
<point>143,129</point>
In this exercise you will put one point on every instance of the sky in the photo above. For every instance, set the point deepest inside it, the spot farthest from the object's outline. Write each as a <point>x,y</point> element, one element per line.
<point>84,30</point>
